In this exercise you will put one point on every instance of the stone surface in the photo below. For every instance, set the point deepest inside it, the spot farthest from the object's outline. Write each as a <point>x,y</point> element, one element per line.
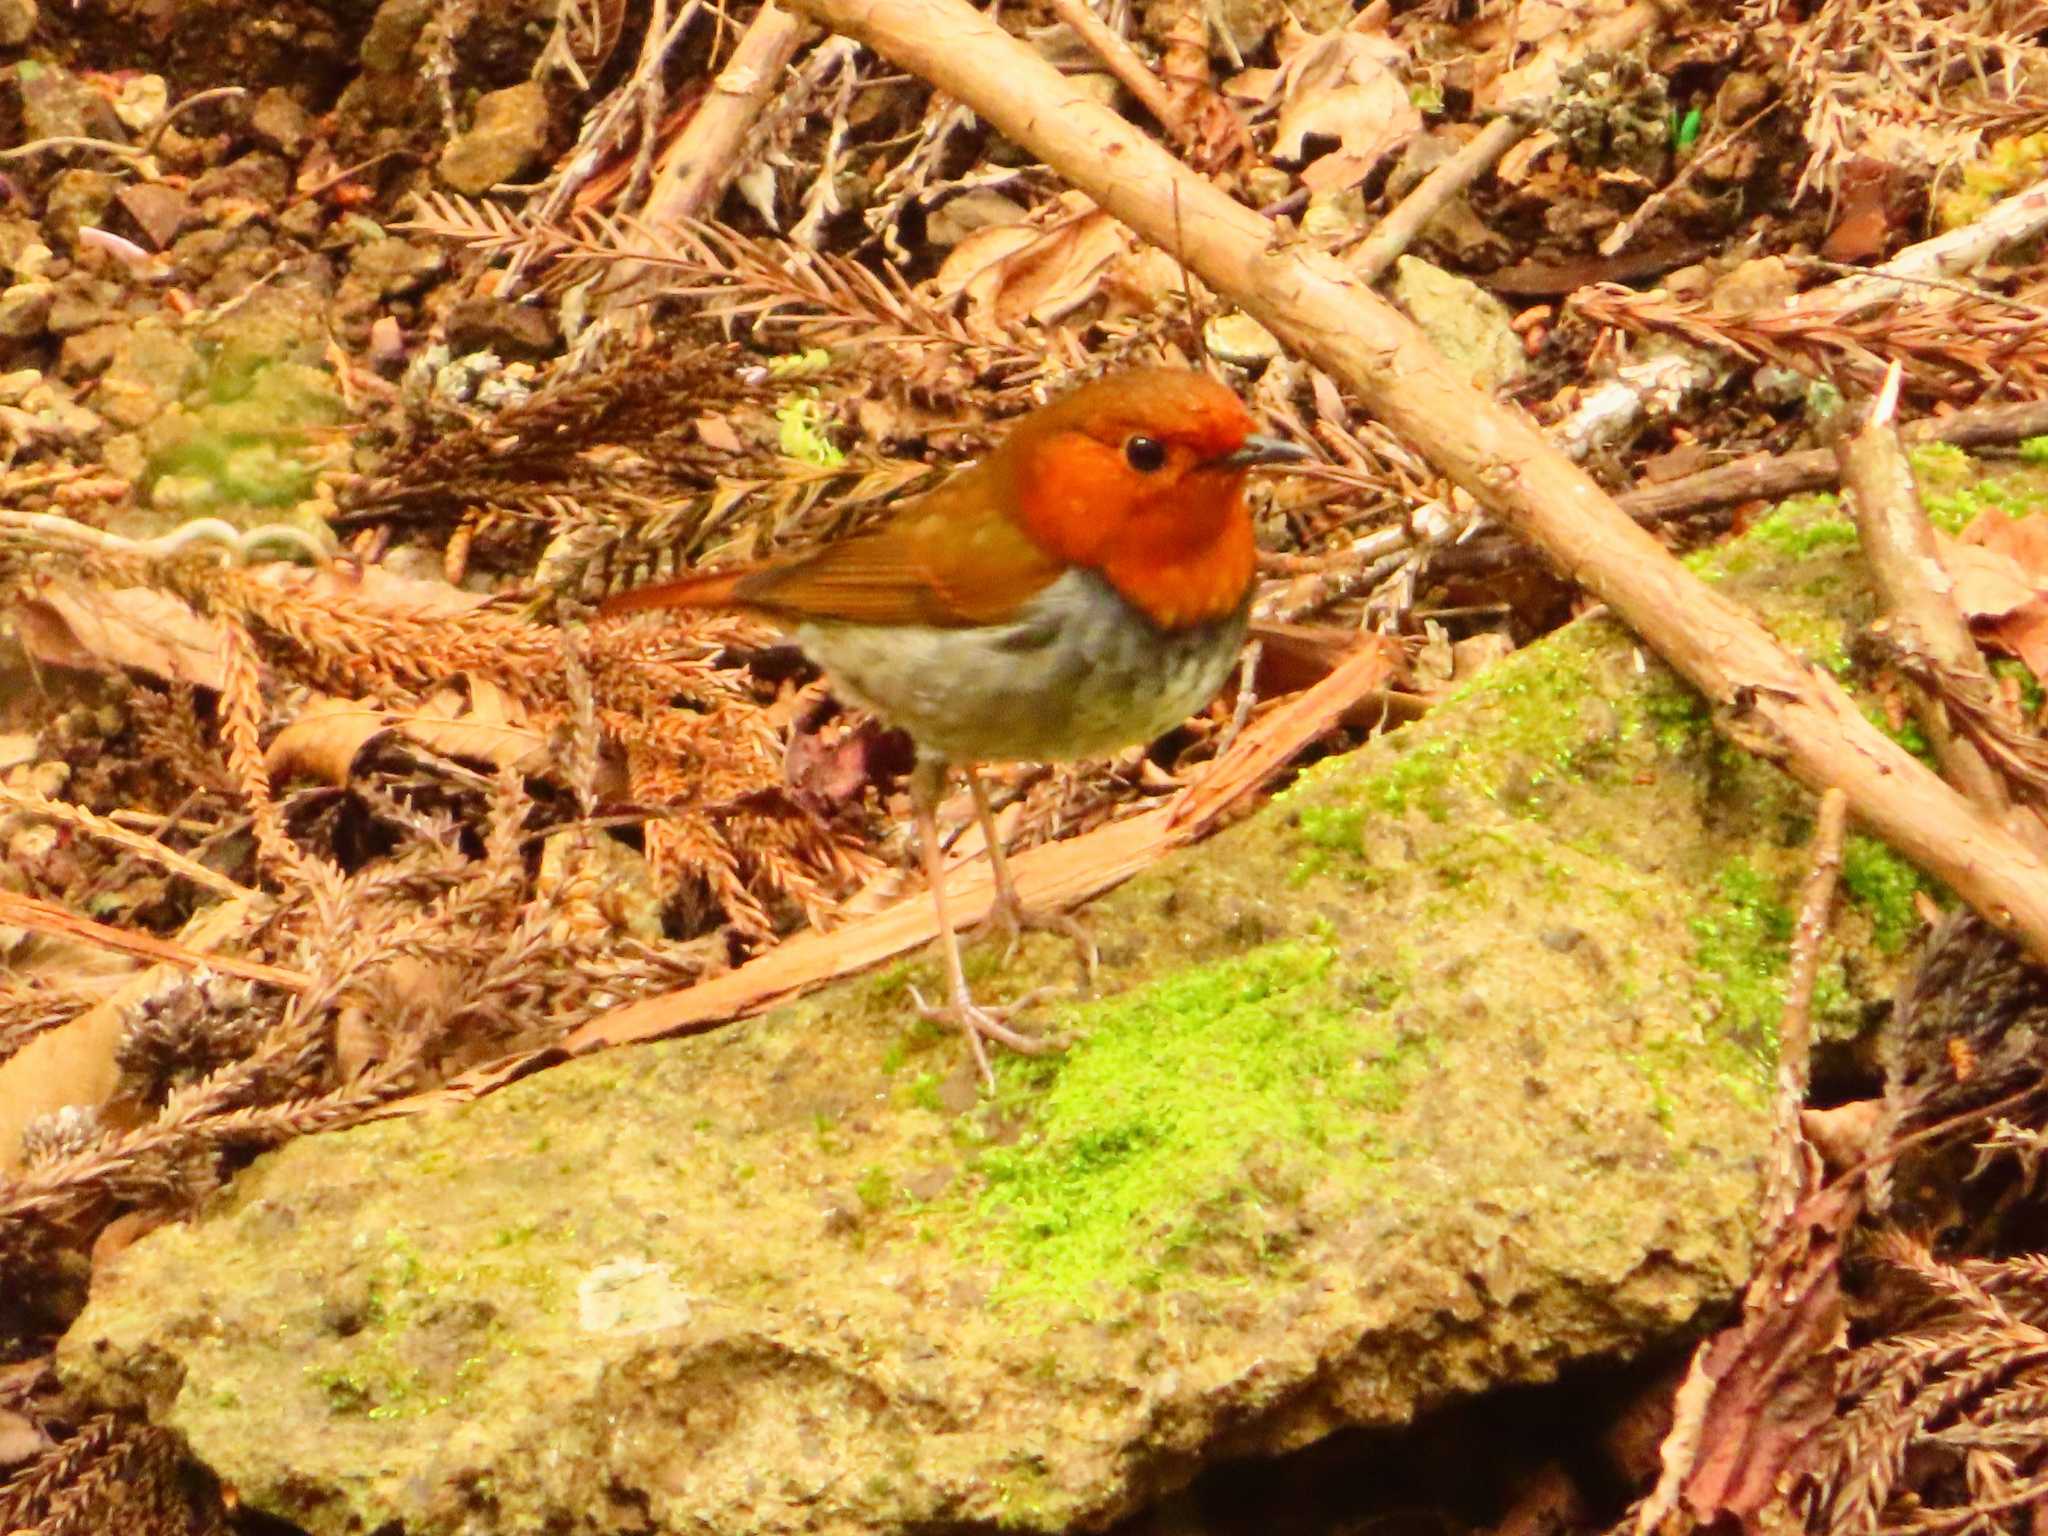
<point>1469,326</point>
<point>25,309</point>
<point>82,301</point>
<point>17,22</point>
<point>77,198</point>
<point>1448,1069</point>
<point>485,324</point>
<point>507,133</point>
<point>390,267</point>
<point>280,123</point>
<point>258,177</point>
<point>57,104</point>
<point>160,213</point>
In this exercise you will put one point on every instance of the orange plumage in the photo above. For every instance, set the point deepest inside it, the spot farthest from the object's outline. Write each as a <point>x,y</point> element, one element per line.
<point>1083,588</point>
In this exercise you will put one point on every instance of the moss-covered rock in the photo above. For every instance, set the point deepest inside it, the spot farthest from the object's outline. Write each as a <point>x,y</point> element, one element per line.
<point>1447,1069</point>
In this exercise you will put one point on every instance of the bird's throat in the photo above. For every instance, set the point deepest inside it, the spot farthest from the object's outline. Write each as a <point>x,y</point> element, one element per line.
<point>1178,585</point>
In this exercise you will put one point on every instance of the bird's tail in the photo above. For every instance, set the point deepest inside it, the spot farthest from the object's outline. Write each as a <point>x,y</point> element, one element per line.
<point>717,589</point>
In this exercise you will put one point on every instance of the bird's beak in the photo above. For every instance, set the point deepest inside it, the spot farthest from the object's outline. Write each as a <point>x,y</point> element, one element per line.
<point>1265,450</point>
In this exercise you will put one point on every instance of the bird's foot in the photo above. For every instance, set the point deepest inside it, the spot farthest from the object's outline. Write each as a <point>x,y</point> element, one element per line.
<point>991,1023</point>
<point>1012,919</point>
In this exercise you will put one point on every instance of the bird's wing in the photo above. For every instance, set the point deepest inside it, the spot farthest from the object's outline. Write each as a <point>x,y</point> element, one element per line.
<point>948,559</point>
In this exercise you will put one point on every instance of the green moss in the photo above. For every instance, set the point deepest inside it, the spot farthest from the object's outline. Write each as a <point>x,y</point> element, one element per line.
<point>2031,695</point>
<point>2034,451</point>
<point>1147,1151</point>
<point>1533,730</point>
<point>240,438</point>
<point>1882,885</point>
<point>1906,733</point>
<point>1954,510</point>
<point>876,1189</point>
<point>1678,713</point>
<point>2000,169</point>
<point>1792,530</point>
<point>800,420</point>
<point>1741,945</point>
<point>1417,780</point>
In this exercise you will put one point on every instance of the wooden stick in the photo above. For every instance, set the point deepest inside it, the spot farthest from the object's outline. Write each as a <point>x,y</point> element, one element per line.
<point>696,169</point>
<point>1526,90</point>
<point>1397,231</point>
<point>1915,588</point>
<point>1123,62</point>
<point>41,916</point>
<point>1774,476</point>
<point>1764,698</point>
<point>1789,1181</point>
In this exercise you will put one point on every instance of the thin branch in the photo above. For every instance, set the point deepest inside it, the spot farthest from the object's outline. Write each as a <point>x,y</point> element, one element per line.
<point>1916,589</point>
<point>1791,1171</point>
<point>710,151</point>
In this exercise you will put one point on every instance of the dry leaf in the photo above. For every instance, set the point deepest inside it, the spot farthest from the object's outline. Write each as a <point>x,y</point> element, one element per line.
<point>2000,567</point>
<point>66,625</point>
<point>481,722</point>
<point>94,628</point>
<point>1340,87</point>
<point>1988,583</point>
<point>2025,539</point>
<point>324,741</point>
<point>1012,273</point>
<point>20,1440</point>
<point>489,726</point>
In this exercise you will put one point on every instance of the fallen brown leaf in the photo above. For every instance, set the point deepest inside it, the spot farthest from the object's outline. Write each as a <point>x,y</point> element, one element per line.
<point>1340,87</point>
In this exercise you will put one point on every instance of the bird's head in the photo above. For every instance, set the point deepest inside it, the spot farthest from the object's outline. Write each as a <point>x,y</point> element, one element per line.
<point>1140,476</point>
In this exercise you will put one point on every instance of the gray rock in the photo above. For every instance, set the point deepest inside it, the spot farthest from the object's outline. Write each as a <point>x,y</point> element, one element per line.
<point>89,352</point>
<point>1471,327</point>
<point>56,103</point>
<point>159,213</point>
<point>25,309</point>
<point>151,368</point>
<point>498,325</point>
<point>1350,1132</point>
<point>1238,338</point>
<point>82,302</point>
<point>391,267</point>
<point>280,123</point>
<point>507,134</point>
<point>17,22</point>
<point>258,177</point>
<point>76,199</point>
<point>388,45</point>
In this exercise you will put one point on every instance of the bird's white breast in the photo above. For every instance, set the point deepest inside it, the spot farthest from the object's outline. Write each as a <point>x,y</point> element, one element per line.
<point>1080,673</point>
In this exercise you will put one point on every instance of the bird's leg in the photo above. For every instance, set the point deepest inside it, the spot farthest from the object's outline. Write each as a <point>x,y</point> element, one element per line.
<point>1009,912</point>
<point>926,782</point>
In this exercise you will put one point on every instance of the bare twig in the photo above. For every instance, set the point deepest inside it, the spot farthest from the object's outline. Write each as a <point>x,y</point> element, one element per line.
<point>1122,61</point>
<point>709,152</point>
<point>1915,587</point>
<point>47,917</point>
<point>1791,1174</point>
<point>1774,476</point>
<point>1625,231</point>
<point>109,830</point>
<point>1397,231</point>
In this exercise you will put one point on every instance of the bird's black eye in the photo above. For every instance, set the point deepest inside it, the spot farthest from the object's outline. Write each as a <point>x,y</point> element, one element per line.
<point>1144,454</point>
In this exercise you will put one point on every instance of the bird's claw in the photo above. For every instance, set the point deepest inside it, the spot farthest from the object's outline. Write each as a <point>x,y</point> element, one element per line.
<point>977,1022</point>
<point>1013,921</point>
